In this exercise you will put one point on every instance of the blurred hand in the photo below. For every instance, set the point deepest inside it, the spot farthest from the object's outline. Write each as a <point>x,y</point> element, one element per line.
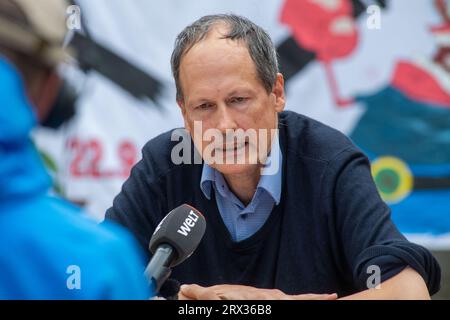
<point>238,292</point>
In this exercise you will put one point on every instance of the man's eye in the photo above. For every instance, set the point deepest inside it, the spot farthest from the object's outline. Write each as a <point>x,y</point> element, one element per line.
<point>204,106</point>
<point>238,100</point>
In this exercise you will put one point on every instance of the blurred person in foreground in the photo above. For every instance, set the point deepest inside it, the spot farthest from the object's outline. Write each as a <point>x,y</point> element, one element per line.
<point>314,228</point>
<point>49,249</point>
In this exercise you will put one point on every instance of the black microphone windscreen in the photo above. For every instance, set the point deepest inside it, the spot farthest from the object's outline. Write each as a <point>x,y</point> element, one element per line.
<point>182,229</point>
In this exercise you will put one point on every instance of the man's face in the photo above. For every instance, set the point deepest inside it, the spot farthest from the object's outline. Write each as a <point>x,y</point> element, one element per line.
<point>221,89</point>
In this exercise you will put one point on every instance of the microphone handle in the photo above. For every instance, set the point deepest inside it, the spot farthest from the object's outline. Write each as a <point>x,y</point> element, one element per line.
<point>157,271</point>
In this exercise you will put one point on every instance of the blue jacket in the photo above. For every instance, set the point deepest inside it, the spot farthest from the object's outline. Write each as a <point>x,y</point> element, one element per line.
<point>50,249</point>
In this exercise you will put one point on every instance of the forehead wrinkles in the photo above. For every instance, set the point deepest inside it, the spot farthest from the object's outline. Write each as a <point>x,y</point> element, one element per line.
<point>217,61</point>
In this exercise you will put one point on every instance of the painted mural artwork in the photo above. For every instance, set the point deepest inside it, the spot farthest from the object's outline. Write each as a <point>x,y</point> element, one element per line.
<point>405,128</point>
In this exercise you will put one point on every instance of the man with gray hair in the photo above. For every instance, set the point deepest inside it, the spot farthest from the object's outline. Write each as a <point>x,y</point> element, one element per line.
<point>313,228</point>
<point>49,249</point>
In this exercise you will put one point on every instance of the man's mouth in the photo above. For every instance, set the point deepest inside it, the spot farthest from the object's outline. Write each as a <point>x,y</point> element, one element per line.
<point>234,147</point>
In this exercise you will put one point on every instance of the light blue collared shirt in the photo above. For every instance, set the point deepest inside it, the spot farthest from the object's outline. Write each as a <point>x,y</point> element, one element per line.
<point>242,222</point>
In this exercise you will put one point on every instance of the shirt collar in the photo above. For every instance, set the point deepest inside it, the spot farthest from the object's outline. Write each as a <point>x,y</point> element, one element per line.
<point>270,181</point>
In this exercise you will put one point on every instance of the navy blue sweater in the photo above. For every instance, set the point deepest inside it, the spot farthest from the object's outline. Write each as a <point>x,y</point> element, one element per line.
<point>329,227</point>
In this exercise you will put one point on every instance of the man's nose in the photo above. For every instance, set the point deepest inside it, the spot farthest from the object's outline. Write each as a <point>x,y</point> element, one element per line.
<point>225,118</point>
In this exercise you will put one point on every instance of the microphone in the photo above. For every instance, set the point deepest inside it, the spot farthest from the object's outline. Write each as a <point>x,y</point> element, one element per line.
<point>174,240</point>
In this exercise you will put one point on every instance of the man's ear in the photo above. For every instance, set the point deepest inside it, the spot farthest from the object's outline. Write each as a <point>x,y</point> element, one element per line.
<point>43,93</point>
<point>182,106</point>
<point>278,91</point>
